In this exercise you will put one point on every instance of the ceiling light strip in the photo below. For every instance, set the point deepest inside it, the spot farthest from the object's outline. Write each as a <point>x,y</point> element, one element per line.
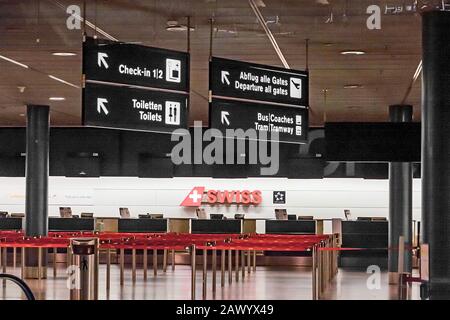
<point>416,76</point>
<point>14,61</point>
<point>63,81</point>
<point>27,67</point>
<point>269,34</point>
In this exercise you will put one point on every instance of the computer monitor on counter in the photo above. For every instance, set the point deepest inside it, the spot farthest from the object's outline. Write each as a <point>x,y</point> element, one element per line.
<point>201,213</point>
<point>124,213</point>
<point>65,212</point>
<point>281,214</point>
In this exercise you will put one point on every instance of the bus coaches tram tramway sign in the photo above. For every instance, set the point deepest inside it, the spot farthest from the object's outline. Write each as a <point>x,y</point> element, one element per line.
<point>134,87</point>
<point>265,98</point>
<point>291,124</point>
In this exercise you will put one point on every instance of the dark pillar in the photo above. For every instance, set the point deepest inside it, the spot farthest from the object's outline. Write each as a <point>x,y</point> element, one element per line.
<point>436,149</point>
<point>400,202</point>
<point>36,203</point>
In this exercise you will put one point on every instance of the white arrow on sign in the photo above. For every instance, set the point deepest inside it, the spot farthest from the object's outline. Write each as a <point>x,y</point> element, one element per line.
<point>225,75</point>
<point>101,60</point>
<point>101,105</point>
<point>224,117</point>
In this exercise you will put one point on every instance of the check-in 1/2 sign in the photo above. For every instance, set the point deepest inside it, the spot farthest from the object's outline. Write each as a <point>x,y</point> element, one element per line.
<point>133,87</point>
<point>135,65</point>
<point>260,83</point>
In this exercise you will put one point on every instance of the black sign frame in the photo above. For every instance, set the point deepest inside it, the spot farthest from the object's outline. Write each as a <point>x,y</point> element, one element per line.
<point>138,59</point>
<point>265,97</point>
<point>217,106</point>
<point>117,94</point>
<point>102,78</point>
<point>222,88</point>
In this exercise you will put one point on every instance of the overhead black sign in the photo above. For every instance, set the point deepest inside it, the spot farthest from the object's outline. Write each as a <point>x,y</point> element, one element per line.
<point>135,65</point>
<point>236,79</point>
<point>134,109</point>
<point>291,123</point>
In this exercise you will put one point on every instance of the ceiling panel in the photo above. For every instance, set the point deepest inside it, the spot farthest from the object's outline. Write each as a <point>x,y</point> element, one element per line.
<point>31,30</point>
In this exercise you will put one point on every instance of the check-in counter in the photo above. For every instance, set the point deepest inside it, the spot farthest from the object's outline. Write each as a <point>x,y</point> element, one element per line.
<point>372,235</point>
<point>231,226</point>
<point>142,225</point>
<point>179,225</point>
<point>10,223</point>
<point>294,227</point>
<point>107,224</point>
<point>71,224</point>
<point>249,226</point>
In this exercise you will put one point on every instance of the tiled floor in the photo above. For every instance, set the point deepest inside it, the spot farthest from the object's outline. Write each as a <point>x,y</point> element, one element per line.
<point>274,283</point>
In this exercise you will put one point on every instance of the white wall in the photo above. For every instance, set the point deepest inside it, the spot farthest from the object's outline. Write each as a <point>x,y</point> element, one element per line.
<point>325,198</point>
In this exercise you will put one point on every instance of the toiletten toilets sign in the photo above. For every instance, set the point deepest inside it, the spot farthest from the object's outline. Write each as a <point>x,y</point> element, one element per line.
<point>129,108</point>
<point>134,87</point>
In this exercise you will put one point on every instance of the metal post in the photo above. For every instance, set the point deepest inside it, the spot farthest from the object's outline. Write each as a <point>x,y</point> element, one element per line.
<point>68,258</point>
<point>22,262</point>
<point>211,30</point>
<point>243,264</point>
<point>172,254</point>
<point>85,257</point>
<point>319,272</point>
<point>155,262</point>
<point>222,268</point>
<point>189,34</point>
<point>214,267</point>
<point>314,273</point>
<point>133,265</point>
<point>205,272</point>
<point>54,262</point>
<point>230,267</point>
<point>14,257</point>
<point>193,271</point>
<point>39,263</point>
<point>237,265</point>
<point>164,260</point>
<point>122,262</point>
<point>4,263</point>
<point>145,263</point>
<point>108,269</point>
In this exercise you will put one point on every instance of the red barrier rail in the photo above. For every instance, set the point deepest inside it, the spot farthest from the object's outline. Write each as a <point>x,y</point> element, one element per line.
<point>169,241</point>
<point>243,246</point>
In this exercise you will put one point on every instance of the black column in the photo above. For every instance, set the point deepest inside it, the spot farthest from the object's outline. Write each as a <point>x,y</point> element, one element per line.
<point>400,201</point>
<point>436,149</point>
<point>36,203</point>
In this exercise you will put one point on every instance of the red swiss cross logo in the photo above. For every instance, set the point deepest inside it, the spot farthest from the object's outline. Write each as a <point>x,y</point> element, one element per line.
<point>194,198</point>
